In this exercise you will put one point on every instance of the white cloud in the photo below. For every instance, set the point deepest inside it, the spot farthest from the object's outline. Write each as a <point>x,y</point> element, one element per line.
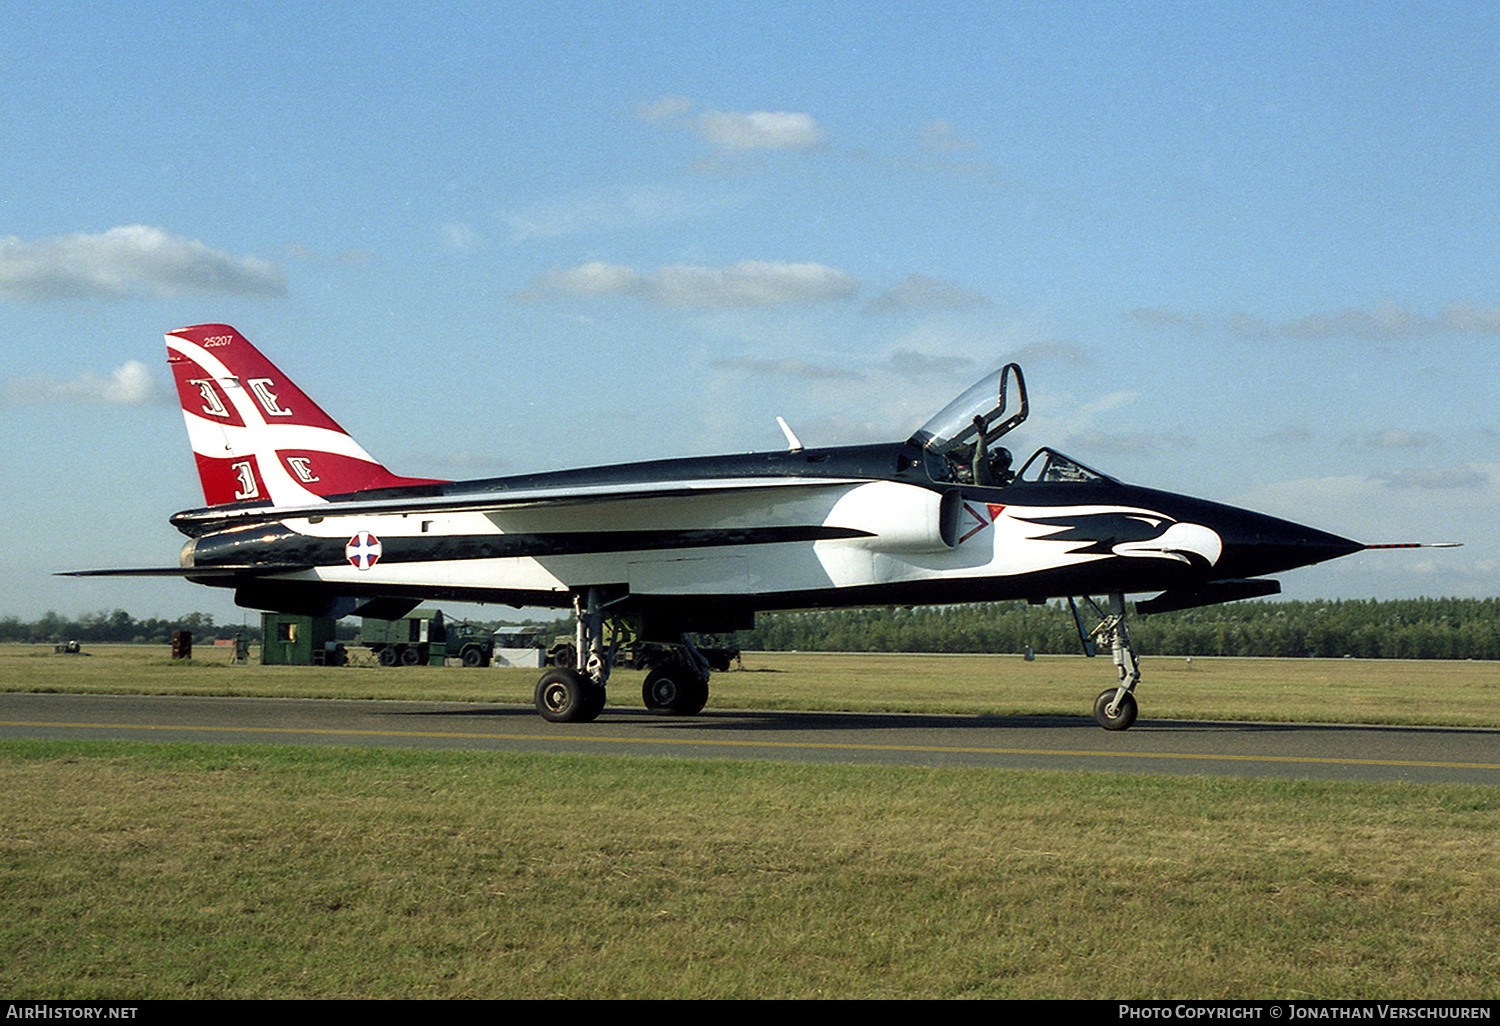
<point>919,292</point>
<point>663,108</point>
<point>789,367</point>
<point>1097,442</point>
<point>749,283</point>
<point>761,130</point>
<point>124,262</point>
<point>459,236</point>
<point>130,384</point>
<point>1394,438</point>
<point>942,137</point>
<point>612,210</point>
<point>1471,477</point>
<point>1386,322</point>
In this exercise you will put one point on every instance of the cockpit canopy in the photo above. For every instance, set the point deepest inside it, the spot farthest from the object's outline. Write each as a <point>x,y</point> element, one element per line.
<point>954,427</point>
<point>959,443</point>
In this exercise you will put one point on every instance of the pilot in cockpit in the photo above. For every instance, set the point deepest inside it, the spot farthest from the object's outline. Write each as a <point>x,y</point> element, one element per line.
<point>991,469</point>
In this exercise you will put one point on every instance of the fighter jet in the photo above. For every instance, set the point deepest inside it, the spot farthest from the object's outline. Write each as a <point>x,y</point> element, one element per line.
<point>299,518</point>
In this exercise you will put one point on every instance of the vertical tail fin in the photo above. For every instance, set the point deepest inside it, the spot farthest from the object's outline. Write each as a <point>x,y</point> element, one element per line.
<point>257,437</point>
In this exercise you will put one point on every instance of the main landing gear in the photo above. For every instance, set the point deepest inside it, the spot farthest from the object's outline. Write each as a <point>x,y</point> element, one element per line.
<point>575,694</point>
<point>1115,708</point>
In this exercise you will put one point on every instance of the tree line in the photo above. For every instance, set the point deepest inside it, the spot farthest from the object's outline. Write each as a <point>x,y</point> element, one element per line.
<point>1397,629</point>
<point>1424,628</point>
<point>115,627</point>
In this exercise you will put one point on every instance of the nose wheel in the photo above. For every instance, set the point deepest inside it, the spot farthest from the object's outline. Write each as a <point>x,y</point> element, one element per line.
<point>1115,711</point>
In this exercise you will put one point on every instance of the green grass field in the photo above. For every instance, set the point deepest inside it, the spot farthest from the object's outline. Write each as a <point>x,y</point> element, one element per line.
<point>136,871</point>
<point>1316,690</point>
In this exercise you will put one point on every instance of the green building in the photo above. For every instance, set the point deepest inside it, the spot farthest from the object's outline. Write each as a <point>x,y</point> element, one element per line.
<point>288,640</point>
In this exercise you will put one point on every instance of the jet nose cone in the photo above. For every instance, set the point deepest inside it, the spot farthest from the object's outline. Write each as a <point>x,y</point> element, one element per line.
<point>1255,544</point>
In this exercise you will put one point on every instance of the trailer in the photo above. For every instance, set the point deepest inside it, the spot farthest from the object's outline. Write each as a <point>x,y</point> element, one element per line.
<point>426,638</point>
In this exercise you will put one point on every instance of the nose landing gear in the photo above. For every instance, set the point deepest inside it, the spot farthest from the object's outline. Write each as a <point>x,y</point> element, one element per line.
<point>1115,708</point>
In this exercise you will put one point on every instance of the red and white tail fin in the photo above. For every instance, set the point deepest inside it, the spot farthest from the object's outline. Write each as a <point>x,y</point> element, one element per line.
<point>257,437</point>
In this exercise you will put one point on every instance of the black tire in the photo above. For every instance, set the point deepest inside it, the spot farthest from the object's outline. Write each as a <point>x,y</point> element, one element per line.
<point>1124,716</point>
<point>386,656</point>
<point>674,691</point>
<point>567,696</point>
<point>411,657</point>
<point>473,657</point>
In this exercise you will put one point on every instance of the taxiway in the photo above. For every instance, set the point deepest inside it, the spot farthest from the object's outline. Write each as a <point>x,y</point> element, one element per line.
<point>1288,750</point>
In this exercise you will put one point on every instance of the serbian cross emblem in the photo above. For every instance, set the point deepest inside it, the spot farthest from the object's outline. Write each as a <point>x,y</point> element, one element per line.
<point>363,550</point>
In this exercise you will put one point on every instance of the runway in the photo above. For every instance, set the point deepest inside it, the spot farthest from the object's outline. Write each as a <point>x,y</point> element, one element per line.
<point>1331,752</point>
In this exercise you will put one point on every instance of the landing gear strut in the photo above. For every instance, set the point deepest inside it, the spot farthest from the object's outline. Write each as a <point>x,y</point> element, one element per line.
<point>1115,708</point>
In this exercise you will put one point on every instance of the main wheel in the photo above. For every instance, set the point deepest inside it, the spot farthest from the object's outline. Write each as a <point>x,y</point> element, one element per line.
<point>567,696</point>
<point>411,657</point>
<point>386,656</point>
<point>1124,715</point>
<point>673,690</point>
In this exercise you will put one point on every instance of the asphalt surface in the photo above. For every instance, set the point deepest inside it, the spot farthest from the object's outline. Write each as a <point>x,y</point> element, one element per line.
<point>1332,752</point>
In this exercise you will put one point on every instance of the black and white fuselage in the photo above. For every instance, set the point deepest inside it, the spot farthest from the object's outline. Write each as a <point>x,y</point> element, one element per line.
<point>714,539</point>
<point>299,518</point>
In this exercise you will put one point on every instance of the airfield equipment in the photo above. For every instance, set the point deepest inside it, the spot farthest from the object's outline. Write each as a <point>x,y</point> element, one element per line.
<point>426,637</point>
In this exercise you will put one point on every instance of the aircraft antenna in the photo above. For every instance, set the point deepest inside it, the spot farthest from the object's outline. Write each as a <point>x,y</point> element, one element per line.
<point>793,443</point>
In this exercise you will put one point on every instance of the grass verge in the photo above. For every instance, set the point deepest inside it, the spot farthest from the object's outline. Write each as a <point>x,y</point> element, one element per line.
<point>161,871</point>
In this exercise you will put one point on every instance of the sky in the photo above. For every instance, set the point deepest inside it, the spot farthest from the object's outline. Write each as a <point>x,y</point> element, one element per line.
<point>1242,250</point>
